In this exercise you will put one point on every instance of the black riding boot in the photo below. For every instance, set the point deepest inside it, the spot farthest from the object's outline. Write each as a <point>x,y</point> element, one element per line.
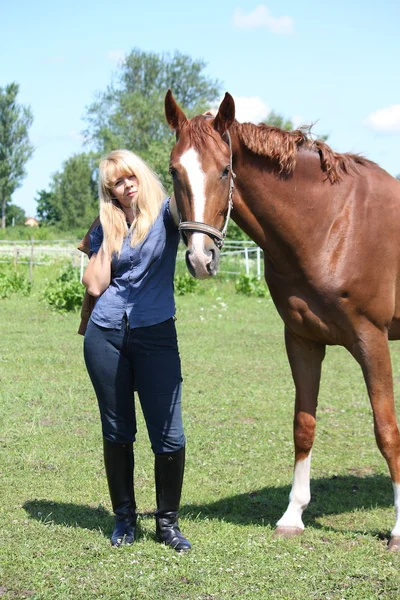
<point>169,470</point>
<point>119,464</point>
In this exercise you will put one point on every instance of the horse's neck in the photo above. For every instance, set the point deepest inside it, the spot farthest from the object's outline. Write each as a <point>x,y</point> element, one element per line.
<point>279,213</point>
<point>262,206</point>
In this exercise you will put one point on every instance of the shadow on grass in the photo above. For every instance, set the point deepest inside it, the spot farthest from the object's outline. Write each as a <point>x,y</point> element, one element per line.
<point>68,514</point>
<point>330,496</point>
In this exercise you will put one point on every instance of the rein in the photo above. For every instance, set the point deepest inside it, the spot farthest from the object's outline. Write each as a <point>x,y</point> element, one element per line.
<point>199,227</point>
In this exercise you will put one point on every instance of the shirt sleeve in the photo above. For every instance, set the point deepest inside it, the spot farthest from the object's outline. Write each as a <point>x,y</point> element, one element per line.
<point>96,239</point>
<point>168,218</point>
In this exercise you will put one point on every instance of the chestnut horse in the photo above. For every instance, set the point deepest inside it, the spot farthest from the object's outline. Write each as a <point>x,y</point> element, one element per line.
<point>329,226</point>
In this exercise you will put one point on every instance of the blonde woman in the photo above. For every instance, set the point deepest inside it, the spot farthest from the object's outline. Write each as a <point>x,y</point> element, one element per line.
<point>130,341</point>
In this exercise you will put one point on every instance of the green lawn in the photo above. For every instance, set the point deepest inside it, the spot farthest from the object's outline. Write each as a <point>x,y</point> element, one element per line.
<point>55,514</point>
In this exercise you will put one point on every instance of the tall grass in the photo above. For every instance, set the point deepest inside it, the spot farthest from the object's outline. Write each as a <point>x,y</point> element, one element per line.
<point>55,513</point>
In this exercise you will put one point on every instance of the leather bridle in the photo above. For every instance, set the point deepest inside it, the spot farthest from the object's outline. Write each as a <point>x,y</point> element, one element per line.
<point>217,235</point>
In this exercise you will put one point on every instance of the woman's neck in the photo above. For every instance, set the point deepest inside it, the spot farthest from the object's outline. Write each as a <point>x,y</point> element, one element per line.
<point>129,214</point>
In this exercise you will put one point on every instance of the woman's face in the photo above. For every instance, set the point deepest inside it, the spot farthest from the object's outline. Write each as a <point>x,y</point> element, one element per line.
<point>125,189</point>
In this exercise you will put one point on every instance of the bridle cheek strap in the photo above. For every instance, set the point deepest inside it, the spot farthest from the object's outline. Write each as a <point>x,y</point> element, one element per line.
<point>199,227</point>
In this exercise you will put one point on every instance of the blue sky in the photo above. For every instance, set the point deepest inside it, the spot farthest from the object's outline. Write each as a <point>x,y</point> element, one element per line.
<point>336,64</point>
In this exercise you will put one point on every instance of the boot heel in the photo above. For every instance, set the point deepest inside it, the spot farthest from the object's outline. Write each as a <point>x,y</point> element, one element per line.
<point>124,531</point>
<point>168,532</point>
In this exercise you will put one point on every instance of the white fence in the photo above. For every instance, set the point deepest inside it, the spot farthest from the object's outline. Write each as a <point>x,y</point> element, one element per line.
<point>249,257</point>
<point>237,257</point>
<point>39,252</point>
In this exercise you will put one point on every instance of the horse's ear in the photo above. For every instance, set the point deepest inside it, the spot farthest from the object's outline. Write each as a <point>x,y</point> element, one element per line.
<point>173,113</point>
<point>225,115</point>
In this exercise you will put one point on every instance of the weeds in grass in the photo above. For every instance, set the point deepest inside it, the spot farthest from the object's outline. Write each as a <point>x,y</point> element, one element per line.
<point>185,284</point>
<point>65,294</point>
<point>13,281</point>
<point>251,286</point>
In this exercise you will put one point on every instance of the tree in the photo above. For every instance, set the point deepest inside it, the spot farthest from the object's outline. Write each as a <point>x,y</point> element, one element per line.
<point>130,114</point>
<point>276,120</point>
<point>72,200</point>
<point>46,209</point>
<point>15,215</point>
<point>15,148</point>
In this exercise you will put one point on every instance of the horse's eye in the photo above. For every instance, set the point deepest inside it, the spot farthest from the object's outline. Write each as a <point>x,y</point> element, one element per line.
<point>225,172</point>
<point>172,171</point>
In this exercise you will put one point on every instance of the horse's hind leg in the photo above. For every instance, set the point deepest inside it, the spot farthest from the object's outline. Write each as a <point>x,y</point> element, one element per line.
<point>305,358</point>
<point>372,352</point>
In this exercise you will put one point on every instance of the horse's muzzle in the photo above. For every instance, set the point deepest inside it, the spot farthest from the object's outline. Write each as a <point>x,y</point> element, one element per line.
<point>203,264</point>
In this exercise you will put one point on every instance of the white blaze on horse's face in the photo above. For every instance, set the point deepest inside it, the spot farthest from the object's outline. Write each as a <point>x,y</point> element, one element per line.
<point>200,258</point>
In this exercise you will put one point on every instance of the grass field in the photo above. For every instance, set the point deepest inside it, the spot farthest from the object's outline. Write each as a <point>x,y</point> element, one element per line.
<point>55,514</point>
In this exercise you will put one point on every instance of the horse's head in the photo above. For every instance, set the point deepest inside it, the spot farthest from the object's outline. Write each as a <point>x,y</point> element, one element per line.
<point>201,169</point>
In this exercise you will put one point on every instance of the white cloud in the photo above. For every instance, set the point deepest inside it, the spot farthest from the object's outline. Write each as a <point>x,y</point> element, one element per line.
<point>385,119</point>
<point>117,56</point>
<point>250,109</point>
<point>261,17</point>
<point>247,109</point>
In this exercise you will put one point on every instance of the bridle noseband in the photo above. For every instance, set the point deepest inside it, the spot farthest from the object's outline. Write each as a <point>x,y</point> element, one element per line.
<point>199,227</point>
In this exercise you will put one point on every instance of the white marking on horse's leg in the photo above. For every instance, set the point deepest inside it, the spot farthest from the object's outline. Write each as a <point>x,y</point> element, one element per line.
<point>299,496</point>
<point>396,528</point>
<point>191,162</point>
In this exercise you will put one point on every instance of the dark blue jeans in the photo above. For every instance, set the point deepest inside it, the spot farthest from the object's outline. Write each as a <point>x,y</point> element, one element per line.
<point>144,359</point>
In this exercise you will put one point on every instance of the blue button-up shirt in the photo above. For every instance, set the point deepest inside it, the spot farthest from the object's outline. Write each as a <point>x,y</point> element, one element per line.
<point>142,278</point>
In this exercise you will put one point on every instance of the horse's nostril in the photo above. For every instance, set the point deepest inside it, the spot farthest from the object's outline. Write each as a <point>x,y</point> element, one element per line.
<point>212,266</point>
<point>211,254</point>
<point>189,264</point>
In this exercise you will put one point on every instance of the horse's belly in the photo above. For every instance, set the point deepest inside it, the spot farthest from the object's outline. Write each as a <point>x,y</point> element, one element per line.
<point>334,313</point>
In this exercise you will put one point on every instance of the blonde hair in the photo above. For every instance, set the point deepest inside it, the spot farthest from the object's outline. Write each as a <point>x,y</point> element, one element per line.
<point>146,206</point>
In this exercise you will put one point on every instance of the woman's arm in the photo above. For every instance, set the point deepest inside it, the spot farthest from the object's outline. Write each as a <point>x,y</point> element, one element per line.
<point>97,275</point>
<point>174,210</point>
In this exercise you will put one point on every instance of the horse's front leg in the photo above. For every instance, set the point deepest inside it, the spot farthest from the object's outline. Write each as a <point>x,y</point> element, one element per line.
<point>372,352</point>
<point>305,358</point>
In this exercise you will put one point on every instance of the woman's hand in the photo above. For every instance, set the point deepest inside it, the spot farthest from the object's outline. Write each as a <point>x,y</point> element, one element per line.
<point>97,275</point>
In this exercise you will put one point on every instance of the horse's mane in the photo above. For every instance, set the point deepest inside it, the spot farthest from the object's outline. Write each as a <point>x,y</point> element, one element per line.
<point>283,147</point>
<point>280,146</point>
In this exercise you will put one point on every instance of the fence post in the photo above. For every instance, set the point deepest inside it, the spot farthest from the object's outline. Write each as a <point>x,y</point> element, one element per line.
<point>246,260</point>
<point>31,261</point>
<point>258,263</point>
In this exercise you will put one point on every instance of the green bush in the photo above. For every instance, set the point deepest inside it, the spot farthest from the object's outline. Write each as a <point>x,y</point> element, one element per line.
<point>185,284</point>
<point>13,281</point>
<point>65,294</point>
<point>251,286</point>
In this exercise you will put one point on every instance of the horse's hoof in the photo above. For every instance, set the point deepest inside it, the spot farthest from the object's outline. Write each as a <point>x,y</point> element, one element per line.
<point>394,544</point>
<point>287,532</point>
